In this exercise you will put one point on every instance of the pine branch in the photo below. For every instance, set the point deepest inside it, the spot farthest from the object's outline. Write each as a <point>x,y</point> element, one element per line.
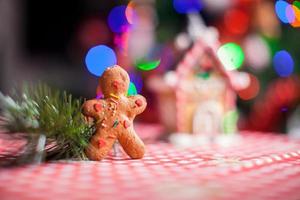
<point>40,109</point>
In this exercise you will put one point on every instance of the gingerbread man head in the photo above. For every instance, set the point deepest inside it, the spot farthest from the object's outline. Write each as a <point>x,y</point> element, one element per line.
<point>114,80</point>
<point>113,116</point>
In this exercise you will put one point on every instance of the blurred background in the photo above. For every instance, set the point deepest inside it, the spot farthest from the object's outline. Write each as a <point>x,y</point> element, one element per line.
<point>48,41</point>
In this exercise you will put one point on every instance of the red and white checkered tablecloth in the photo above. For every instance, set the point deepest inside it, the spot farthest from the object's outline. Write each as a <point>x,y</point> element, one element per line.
<point>259,166</point>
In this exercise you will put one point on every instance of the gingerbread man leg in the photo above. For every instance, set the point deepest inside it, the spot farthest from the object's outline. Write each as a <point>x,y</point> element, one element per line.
<point>132,144</point>
<point>99,146</point>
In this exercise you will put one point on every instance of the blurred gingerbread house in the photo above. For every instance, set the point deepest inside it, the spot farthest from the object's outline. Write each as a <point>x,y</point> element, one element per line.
<point>199,96</point>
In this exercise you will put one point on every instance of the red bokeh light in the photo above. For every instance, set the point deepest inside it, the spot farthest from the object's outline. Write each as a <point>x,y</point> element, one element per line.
<point>252,90</point>
<point>236,21</point>
<point>92,32</point>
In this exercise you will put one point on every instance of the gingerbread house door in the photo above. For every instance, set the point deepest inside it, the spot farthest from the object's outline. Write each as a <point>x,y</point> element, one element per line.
<point>208,118</point>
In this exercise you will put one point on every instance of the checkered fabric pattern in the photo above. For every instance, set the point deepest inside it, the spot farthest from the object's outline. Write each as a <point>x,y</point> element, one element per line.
<point>259,166</point>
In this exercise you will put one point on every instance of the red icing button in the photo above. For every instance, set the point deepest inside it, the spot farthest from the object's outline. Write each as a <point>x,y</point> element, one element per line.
<point>126,124</point>
<point>139,103</point>
<point>97,107</point>
<point>101,143</point>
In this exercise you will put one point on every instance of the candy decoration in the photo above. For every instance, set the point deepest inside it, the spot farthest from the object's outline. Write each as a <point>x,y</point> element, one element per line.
<point>113,95</point>
<point>139,103</point>
<point>204,75</point>
<point>101,143</point>
<point>114,101</point>
<point>97,107</point>
<point>126,124</point>
<point>115,123</point>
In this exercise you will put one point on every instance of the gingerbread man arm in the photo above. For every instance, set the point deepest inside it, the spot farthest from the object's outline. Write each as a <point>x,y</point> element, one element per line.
<point>94,108</point>
<point>138,103</point>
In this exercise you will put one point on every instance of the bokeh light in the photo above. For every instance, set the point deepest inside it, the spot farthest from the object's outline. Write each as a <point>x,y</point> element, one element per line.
<point>296,8</point>
<point>183,41</point>
<point>148,65</point>
<point>231,55</point>
<point>137,79</point>
<point>93,31</point>
<point>117,20</point>
<point>257,51</point>
<point>130,12</point>
<point>99,58</point>
<point>131,90</point>
<point>297,4</point>
<point>99,96</point>
<point>187,6</point>
<point>217,6</point>
<point>283,63</point>
<point>236,21</point>
<point>284,12</point>
<point>239,80</point>
<point>252,90</point>
<point>290,14</point>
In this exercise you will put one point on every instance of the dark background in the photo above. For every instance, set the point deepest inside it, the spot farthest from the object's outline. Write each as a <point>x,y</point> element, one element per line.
<point>42,41</point>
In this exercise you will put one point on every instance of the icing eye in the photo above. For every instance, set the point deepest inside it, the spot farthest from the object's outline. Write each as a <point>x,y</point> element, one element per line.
<point>139,102</point>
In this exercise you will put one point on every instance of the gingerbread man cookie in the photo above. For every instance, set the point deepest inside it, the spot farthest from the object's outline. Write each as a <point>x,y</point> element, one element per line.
<point>113,116</point>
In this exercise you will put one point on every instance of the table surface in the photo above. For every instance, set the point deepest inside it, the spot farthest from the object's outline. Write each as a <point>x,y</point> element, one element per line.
<point>258,166</point>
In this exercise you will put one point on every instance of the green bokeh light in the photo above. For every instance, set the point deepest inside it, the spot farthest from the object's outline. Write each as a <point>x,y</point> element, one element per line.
<point>297,4</point>
<point>148,65</point>
<point>131,90</point>
<point>231,55</point>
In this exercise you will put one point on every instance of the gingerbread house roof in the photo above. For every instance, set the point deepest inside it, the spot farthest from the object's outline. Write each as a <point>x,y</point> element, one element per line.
<point>191,57</point>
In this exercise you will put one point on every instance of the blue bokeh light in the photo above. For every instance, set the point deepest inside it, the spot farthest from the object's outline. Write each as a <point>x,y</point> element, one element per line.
<point>117,19</point>
<point>283,63</point>
<point>137,80</point>
<point>187,6</point>
<point>99,58</point>
<point>284,12</point>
